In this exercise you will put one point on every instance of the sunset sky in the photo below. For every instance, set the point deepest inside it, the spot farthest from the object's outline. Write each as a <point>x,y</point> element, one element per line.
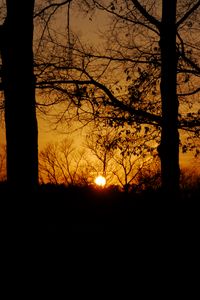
<point>87,27</point>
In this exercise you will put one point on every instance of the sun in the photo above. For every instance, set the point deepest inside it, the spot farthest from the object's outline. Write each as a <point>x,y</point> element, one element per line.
<point>100,180</point>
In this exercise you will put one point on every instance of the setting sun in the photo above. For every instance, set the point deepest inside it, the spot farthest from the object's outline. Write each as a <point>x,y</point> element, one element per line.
<point>100,181</point>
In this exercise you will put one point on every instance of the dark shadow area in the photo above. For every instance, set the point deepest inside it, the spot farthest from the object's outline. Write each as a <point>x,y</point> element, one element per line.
<point>62,210</point>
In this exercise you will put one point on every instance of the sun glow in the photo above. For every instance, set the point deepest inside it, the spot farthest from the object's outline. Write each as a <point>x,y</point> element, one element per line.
<point>100,181</point>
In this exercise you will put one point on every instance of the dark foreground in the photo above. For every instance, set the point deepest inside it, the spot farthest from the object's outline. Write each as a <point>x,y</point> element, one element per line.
<point>59,210</point>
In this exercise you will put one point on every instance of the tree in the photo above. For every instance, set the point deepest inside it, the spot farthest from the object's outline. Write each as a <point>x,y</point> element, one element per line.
<point>2,163</point>
<point>169,147</point>
<point>123,153</point>
<point>130,162</point>
<point>18,83</point>
<point>102,142</point>
<point>60,163</point>
<point>155,65</point>
<point>150,45</point>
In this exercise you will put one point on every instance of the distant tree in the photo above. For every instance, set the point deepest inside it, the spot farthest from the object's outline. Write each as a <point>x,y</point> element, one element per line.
<point>190,180</point>
<point>149,178</point>
<point>102,143</point>
<point>61,163</point>
<point>122,153</point>
<point>130,163</point>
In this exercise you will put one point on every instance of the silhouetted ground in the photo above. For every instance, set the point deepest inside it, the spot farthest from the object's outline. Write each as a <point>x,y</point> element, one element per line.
<point>60,210</point>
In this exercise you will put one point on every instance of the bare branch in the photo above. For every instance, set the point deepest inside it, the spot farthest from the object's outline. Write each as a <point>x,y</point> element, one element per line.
<point>53,5</point>
<point>187,14</point>
<point>145,14</point>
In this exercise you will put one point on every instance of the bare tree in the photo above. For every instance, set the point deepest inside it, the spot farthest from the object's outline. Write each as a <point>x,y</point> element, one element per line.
<point>149,177</point>
<point>123,153</point>
<point>61,163</point>
<point>128,167</point>
<point>102,142</point>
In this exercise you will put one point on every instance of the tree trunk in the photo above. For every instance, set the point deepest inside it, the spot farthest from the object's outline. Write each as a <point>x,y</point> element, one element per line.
<point>19,90</point>
<point>169,148</point>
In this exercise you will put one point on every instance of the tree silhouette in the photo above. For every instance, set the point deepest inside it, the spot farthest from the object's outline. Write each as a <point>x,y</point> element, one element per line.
<point>160,50</point>
<point>150,44</point>
<point>19,91</point>
<point>59,163</point>
<point>169,147</point>
<point>123,154</point>
<point>2,163</point>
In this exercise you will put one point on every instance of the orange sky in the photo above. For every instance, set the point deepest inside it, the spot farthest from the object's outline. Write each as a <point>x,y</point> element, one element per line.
<point>87,28</point>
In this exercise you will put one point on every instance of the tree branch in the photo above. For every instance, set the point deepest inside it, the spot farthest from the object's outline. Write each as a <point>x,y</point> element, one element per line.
<point>191,63</point>
<point>145,14</point>
<point>155,119</point>
<point>140,116</point>
<point>50,6</point>
<point>190,93</point>
<point>110,11</point>
<point>187,14</point>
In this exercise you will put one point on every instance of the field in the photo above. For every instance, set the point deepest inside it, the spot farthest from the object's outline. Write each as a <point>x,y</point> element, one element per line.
<point>60,210</point>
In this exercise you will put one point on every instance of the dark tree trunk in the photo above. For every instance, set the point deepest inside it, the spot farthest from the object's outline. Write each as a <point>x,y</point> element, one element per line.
<point>19,90</point>
<point>169,148</point>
